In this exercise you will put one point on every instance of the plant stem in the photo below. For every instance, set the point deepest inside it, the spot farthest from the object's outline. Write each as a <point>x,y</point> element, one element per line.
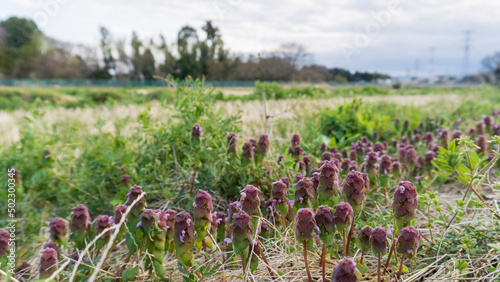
<point>243,264</point>
<point>343,242</point>
<point>362,256</point>
<point>378,269</point>
<point>271,273</point>
<point>323,260</point>
<point>401,267</point>
<point>194,178</point>
<point>305,260</point>
<point>349,239</point>
<point>389,256</point>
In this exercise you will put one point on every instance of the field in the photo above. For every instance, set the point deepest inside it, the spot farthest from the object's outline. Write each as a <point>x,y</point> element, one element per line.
<point>272,183</point>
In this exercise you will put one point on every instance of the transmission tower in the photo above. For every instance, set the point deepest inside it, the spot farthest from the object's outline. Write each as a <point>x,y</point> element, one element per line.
<point>465,63</point>
<point>431,64</point>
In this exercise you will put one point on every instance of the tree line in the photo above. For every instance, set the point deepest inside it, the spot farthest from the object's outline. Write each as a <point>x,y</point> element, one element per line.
<point>25,52</point>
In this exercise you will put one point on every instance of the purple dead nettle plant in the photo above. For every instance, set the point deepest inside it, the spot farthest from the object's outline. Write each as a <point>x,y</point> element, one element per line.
<point>247,154</point>
<point>404,140</point>
<point>428,138</point>
<point>379,148</point>
<point>117,217</point>
<point>242,235</point>
<point>396,169</point>
<point>262,148</point>
<point>232,143</point>
<point>444,137</point>
<point>356,186</point>
<point>346,271</point>
<point>234,208</point>
<point>253,142</point>
<point>328,188</point>
<point>52,245</point>
<point>212,244</point>
<point>131,236</point>
<point>305,195</point>
<point>281,159</point>
<point>405,204</point>
<point>125,180</point>
<point>384,173</point>
<point>250,202</point>
<point>345,154</point>
<point>344,219</point>
<point>154,225</point>
<point>325,221</point>
<point>280,199</point>
<point>488,123</point>
<point>100,224</point>
<point>338,157</point>
<point>364,240</point>
<point>296,152</point>
<point>415,139</point>
<point>48,263</point>
<point>346,163</point>
<point>456,134</point>
<point>353,156</point>
<point>323,147</point>
<point>315,180</point>
<point>307,161</point>
<point>429,158</point>
<point>184,238</point>
<point>295,149</point>
<point>482,143</point>
<point>22,271</point>
<point>480,128</point>
<point>4,242</point>
<point>305,228</point>
<point>80,226</point>
<point>196,131</point>
<point>407,245</point>
<point>221,218</point>
<point>203,208</point>
<point>371,166</point>
<point>326,156</point>
<point>410,158</point>
<point>58,231</point>
<point>379,242</point>
<point>169,233</point>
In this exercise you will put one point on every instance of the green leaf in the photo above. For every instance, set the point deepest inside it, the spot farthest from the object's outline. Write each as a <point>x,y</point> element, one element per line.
<point>495,246</point>
<point>130,273</point>
<point>461,264</point>
<point>362,268</point>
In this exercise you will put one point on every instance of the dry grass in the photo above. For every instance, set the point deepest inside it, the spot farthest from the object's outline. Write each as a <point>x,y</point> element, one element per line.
<point>252,115</point>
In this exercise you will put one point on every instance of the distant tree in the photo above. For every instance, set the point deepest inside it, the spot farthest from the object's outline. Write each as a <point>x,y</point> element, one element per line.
<point>107,53</point>
<point>123,60</point>
<point>188,47</point>
<point>148,67</point>
<point>341,75</point>
<point>492,66</point>
<point>136,45</point>
<point>168,65</point>
<point>313,73</point>
<point>20,48</point>
<point>20,31</point>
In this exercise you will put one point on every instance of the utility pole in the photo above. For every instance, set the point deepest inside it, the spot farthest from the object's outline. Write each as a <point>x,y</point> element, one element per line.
<point>465,63</point>
<point>431,65</point>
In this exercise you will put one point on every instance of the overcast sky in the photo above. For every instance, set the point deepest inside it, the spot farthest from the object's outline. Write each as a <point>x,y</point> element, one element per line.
<point>391,36</point>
